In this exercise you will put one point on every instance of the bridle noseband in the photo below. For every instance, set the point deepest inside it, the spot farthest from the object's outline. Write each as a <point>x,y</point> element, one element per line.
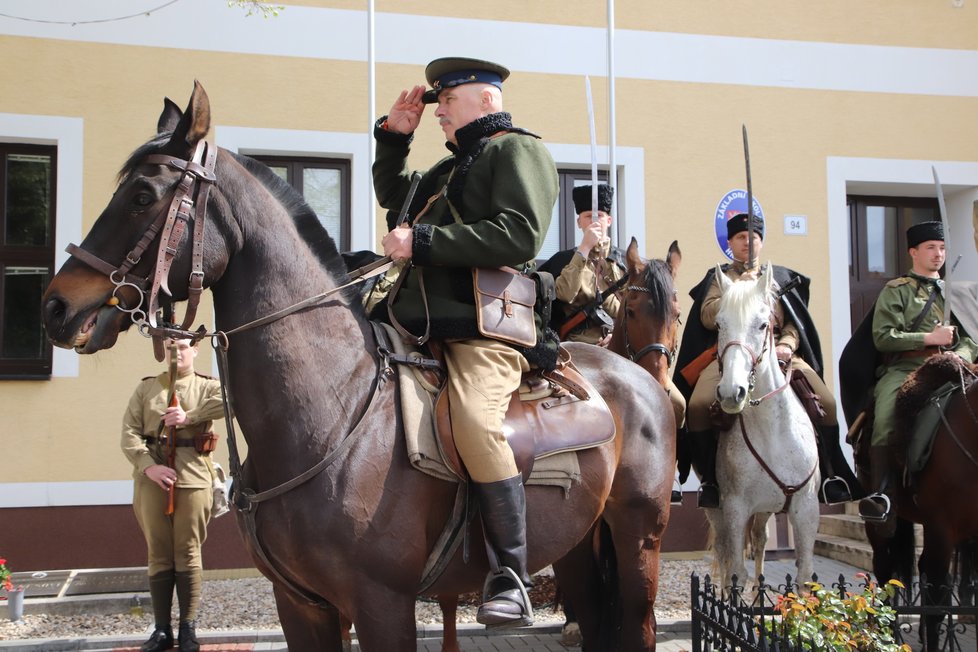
<point>188,203</point>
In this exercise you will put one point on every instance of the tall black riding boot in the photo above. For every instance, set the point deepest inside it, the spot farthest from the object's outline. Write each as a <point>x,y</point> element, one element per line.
<point>705,462</point>
<point>835,488</point>
<point>880,507</point>
<point>187,637</point>
<point>504,598</point>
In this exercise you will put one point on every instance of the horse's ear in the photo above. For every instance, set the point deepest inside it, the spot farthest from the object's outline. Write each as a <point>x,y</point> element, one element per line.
<point>170,117</point>
<point>722,279</point>
<point>632,257</point>
<point>674,258</point>
<point>195,121</point>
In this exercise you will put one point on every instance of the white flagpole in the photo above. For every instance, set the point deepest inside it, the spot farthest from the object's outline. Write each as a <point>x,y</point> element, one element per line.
<point>612,164</point>
<point>371,117</point>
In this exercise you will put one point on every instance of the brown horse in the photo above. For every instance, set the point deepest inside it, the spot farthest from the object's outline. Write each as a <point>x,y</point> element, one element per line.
<point>940,498</point>
<point>350,523</point>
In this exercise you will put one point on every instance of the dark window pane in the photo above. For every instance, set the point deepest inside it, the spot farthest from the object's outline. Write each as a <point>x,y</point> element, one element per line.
<point>23,336</point>
<point>28,196</point>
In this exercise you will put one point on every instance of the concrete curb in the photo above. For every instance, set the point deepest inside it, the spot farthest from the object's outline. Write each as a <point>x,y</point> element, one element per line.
<point>465,630</point>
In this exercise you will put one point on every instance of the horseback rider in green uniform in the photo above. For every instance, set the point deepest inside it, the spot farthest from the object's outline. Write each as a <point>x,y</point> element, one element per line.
<point>486,205</point>
<point>907,329</point>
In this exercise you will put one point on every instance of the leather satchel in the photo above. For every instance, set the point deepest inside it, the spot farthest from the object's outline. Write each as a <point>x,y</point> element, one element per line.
<point>504,305</point>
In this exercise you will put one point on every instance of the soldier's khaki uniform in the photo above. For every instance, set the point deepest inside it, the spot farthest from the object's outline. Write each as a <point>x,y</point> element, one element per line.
<point>785,333</point>
<point>898,305</point>
<point>173,542</point>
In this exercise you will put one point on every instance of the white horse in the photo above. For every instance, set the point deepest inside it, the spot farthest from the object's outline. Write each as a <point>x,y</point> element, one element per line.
<point>767,462</point>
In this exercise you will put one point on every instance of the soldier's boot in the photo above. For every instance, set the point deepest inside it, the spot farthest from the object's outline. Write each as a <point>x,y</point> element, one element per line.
<point>705,462</point>
<point>835,488</point>
<point>188,595</point>
<point>880,506</point>
<point>505,601</point>
<point>161,595</point>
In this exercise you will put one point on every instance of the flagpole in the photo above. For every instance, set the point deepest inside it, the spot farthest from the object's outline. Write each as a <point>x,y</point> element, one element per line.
<point>612,163</point>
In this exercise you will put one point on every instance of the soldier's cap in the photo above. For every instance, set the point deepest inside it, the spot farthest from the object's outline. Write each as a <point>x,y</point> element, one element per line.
<point>738,223</point>
<point>449,72</point>
<point>923,232</point>
<point>582,198</point>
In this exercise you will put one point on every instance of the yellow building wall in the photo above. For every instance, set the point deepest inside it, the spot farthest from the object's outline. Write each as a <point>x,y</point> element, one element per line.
<point>66,429</point>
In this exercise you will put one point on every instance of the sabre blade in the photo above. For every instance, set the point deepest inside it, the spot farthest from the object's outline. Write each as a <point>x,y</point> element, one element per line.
<point>947,233</point>
<point>594,146</point>
<point>750,203</point>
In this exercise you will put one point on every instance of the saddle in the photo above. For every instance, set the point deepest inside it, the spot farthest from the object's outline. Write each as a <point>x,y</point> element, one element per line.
<point>552,412</point>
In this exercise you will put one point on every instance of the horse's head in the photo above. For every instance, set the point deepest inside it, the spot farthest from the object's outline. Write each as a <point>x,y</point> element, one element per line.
<point>649,316</point>
<point>121,273</point>
<point>744,336</point>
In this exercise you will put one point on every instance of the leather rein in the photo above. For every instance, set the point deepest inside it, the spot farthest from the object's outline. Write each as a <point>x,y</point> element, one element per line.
<point>189,203</point>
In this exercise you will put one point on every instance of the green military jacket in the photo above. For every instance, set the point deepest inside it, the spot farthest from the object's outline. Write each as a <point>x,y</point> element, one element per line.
<point>898,306</point>
<point>200,397</point>
<point>489,204</point>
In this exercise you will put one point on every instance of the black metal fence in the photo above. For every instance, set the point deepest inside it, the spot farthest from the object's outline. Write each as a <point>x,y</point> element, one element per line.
<point>736,619</point>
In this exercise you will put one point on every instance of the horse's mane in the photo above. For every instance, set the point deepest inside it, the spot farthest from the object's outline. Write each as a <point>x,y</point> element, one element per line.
<point>306,222</point>
<point>740,299</point>
<point>658,281</point>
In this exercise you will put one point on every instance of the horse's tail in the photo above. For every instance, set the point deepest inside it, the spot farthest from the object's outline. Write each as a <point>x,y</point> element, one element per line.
<point>607,561</point>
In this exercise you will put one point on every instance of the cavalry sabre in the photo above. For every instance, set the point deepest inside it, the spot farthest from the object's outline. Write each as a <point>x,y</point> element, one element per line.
<point>948,269</point>
<point>171,431</point>
<point>594,147</point>
<point>750,203</point>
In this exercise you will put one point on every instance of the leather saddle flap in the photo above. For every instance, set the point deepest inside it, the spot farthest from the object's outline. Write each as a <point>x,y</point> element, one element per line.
<point>537,428</point>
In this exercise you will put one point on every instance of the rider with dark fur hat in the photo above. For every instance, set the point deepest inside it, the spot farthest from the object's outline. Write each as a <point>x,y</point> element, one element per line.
<point>697,371</point>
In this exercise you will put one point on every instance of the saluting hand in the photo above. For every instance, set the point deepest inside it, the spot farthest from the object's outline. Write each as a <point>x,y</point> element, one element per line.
<point>405,115</point>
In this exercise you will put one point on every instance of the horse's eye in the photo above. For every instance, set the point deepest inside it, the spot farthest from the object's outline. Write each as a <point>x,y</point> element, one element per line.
<point>764,326</point>
<point>143,199</point>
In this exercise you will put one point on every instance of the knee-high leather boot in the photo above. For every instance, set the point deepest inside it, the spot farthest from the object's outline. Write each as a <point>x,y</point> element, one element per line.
<point>705,462</point>
<point>504,598</point>
<point>837,484</point>
<point>880,507</point>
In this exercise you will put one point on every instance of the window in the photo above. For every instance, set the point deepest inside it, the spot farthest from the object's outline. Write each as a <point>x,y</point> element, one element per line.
<point>878,244</point>
<point>563,232</point>
<point>325,185</point>
<point>27,218</point>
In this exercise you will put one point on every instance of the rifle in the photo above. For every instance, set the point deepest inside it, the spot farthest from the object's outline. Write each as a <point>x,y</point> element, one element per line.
<point>171,431</point>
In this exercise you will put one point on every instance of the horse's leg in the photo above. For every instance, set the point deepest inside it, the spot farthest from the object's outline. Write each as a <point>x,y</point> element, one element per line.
<point>345,626</point>
<point>804,520</point>
<point>579,579</point>
<point>758,539</point>
<point>731,525</point>
<point>449,610</point>
<point>306,626</point>
<point>934,563</point>
<point>384,620</point>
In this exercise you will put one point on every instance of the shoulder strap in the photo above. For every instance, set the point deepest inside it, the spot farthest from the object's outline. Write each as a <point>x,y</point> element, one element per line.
<point>919,319</point>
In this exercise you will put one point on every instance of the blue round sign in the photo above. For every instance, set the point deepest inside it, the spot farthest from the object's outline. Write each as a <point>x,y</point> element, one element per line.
<point>733,203</point>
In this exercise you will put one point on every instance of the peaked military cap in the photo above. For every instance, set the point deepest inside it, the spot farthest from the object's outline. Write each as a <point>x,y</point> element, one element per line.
<point>582,198</point>
<point>923,232</point>
<point>738,223</point>
<point>449,72</point>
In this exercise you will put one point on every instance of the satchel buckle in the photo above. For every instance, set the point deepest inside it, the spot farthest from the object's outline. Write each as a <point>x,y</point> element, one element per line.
<point>507,303</point>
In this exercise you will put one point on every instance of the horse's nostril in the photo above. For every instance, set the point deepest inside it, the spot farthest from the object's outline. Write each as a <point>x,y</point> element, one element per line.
<point>54,311</point>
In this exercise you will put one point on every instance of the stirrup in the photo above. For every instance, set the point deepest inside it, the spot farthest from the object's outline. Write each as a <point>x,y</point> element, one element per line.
<point>879,498</point>
<point>508,574</point>
<point>843,486</point>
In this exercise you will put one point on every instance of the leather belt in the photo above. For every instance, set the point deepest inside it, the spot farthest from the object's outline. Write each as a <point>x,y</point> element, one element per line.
<point>925,352</point>
<point>149,439</point>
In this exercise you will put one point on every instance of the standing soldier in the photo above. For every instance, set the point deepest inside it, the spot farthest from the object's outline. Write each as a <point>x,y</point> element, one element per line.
<point>908,328</point>
<point>488,204</point>
<point>173,541</point>
<point>796,342</point>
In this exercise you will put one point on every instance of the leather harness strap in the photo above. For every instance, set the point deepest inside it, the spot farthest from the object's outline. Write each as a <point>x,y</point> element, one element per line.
<point>788,490</point>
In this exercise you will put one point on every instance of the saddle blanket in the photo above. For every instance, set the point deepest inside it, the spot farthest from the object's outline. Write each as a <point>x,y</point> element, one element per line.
<point>424,452</point>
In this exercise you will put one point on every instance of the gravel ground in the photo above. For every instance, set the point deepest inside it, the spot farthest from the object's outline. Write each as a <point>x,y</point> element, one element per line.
<point>247,604</point>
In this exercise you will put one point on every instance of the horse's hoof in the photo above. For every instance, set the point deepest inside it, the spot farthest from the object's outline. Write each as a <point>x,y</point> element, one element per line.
<point>570,636</point>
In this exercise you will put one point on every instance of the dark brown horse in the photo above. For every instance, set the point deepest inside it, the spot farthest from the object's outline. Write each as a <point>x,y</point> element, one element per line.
<point>941,497</point>
<point>306,392</point>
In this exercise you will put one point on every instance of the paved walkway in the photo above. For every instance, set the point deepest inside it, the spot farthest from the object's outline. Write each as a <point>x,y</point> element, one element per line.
<point>672,636</point>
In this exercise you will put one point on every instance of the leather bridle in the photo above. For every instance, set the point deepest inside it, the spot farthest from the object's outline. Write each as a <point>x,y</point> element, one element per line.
<point>189,201</point>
